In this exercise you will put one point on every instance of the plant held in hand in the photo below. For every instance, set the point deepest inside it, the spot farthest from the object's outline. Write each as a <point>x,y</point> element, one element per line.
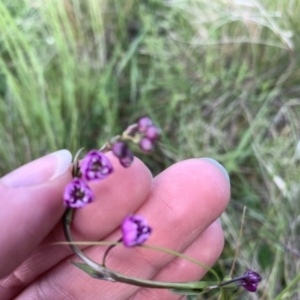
<point>95,166</point>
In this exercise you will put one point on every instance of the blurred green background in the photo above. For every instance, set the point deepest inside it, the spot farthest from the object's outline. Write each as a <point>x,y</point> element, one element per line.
<point>220,78</point>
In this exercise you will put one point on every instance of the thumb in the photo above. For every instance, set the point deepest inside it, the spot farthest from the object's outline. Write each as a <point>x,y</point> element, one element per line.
<point>31,205</point>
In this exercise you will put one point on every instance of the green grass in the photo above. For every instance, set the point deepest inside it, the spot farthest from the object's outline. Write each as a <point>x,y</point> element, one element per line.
<point>221,78</point>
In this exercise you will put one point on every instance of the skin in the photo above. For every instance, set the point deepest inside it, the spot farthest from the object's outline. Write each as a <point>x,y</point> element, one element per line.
<point>182,205</point>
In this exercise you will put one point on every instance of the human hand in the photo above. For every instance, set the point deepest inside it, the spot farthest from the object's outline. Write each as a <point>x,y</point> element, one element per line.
<point>181,204</point>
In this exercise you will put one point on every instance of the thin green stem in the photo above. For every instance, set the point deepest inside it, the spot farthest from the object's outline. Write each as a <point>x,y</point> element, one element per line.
<point>108,250</point>
<point>107,274</point>
<point>174,253</point>
<point>76,169</point>
<point>67,220</point>
<point>102,272</point>
<point>161,249</point>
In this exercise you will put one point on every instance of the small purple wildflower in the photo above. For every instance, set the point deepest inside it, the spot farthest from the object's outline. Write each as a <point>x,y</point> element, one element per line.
<point>135,231</point>
<point>144,123</point>
<point>146,145</point>
<point>95,166</point>
<point>250,280</point>
<point>77,194</point>
<point>121,150</point>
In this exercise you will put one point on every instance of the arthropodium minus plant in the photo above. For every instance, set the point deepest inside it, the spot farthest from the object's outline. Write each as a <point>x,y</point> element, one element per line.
<point>135,230</point>
<point>96,166</point>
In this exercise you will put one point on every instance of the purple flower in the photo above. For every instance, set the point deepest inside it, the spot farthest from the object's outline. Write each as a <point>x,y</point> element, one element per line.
<point>77,194</point>
<point>146,145</point>
<point>144,123</point>
<point>95,166</point>
<point>121,150</point>
<point>135,231</point>
<point>250,280</point>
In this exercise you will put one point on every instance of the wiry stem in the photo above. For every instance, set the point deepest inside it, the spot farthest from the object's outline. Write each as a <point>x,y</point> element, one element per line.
<point>108,250</point>
<point>101,272</point>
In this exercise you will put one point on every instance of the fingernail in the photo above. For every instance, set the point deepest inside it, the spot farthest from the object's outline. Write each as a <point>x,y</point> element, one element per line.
<point>40,170</point>
<point>218,165</point>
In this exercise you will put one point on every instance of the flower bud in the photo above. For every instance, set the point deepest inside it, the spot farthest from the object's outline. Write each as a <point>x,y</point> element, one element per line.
<point>152,133</point>
<point>144,123</point>
<point>250,280</point>
<point>146,145</point>
<point>121,150</point>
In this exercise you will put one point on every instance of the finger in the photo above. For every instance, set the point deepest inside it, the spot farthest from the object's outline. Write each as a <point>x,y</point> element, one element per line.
<point>206,249</point>
<point>184,200</point>
<point>117,196</point>
<point>30,206</point>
